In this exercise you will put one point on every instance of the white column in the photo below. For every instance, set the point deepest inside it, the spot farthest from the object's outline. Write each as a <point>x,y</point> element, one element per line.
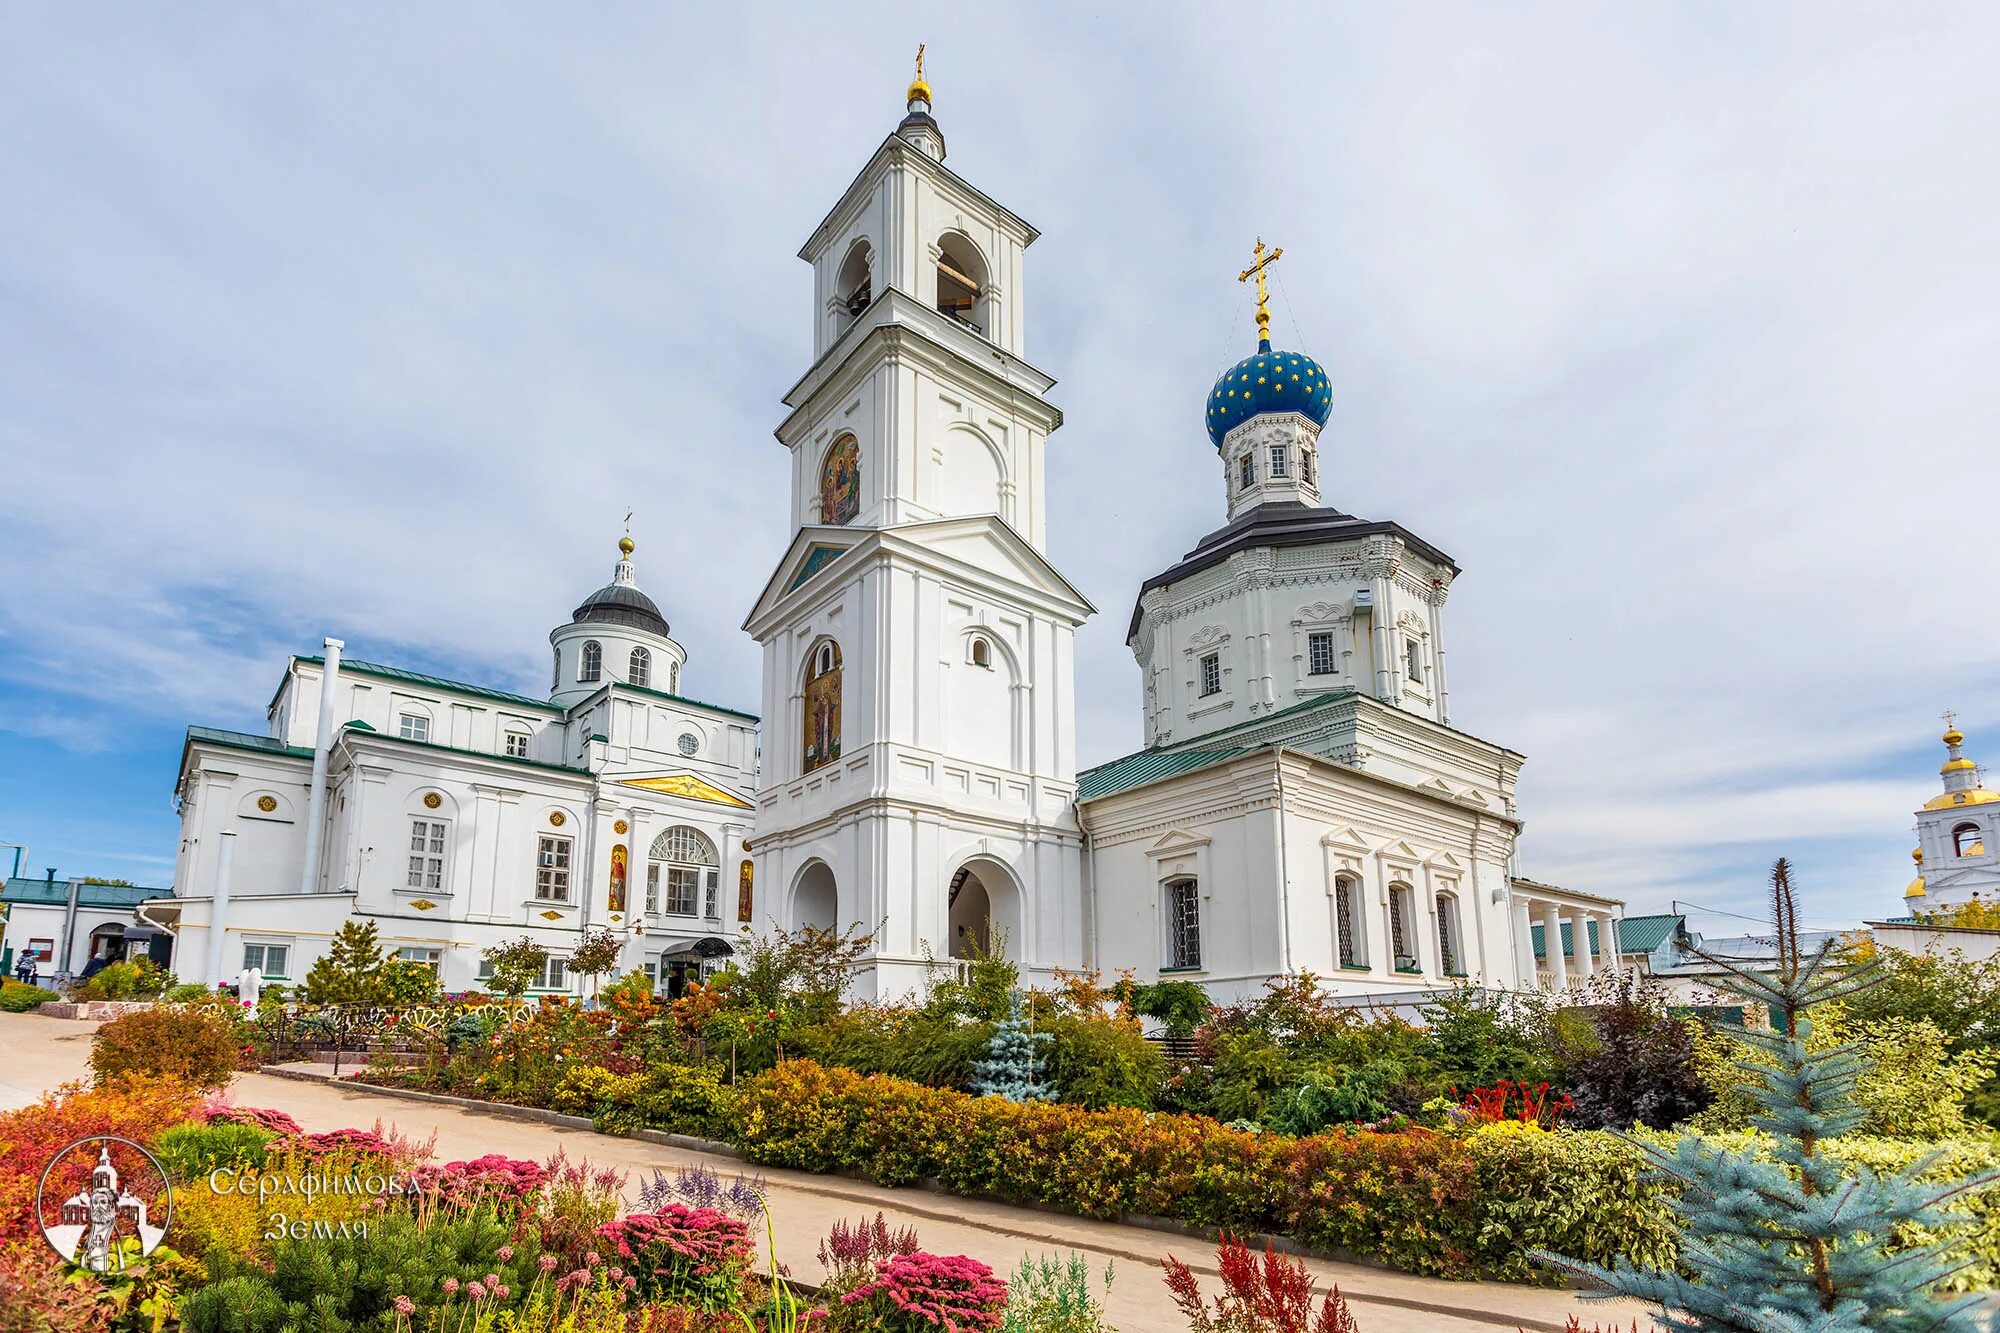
<point>1552,946</point>
<point>329,682</point>
<point>218,906</point>
<point>1524,943</point>
<point>1579,942</point>
<point>1607,942</point>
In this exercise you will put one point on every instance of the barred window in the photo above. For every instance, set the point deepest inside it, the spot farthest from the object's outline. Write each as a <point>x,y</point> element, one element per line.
<point>1344,890</point>
<point>1211,673</point>
<point>1448,934</point>
<point>1399,931</point>
<point>1319,653</point>
<point>1184,924</point>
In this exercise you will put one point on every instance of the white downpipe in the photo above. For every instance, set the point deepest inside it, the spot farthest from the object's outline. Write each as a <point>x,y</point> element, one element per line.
<point>218,910</point>
<point>329,680</point>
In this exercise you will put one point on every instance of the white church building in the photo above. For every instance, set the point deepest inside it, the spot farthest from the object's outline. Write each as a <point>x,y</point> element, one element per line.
<point>1303,804</point>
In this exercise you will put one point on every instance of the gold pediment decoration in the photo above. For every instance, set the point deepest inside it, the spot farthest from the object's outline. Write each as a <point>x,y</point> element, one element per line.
<point>423,904</point>
<point>688,785</point>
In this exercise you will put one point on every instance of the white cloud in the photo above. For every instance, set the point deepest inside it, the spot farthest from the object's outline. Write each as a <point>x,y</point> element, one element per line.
<point>1673,328</point>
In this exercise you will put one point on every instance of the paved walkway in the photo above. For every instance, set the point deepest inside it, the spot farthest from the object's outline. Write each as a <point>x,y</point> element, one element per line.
<point>38,1053</point>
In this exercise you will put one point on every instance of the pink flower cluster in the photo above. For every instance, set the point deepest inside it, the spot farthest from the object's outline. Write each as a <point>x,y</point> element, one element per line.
<point>264,1118</point>
<point>933,1290</point>
<point>698,1240</point>
<point>362,1142</point>
<point>490,1177</point>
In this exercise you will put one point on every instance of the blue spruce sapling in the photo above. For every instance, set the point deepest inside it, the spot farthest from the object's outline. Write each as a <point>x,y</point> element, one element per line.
<point>1013,1065</point>
<point>1801,1243</point>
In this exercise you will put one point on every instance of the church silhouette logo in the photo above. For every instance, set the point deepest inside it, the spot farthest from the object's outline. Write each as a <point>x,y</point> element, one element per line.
<point>104,1203</point>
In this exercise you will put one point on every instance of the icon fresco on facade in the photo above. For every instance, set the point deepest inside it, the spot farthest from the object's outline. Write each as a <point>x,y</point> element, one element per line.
<point>840,482</point>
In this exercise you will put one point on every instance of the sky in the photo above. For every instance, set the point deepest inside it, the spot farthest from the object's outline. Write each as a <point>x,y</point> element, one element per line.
<point>1674,324</point>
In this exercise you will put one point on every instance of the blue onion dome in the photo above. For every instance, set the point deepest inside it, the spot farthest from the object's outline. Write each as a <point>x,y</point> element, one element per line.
<point>1268,382</point>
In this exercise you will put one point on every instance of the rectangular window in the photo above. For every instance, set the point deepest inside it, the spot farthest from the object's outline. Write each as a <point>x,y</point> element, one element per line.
<point>552,870</point>
<point>711,898</point>
<point>1415,654</point>
<point>412,727</point>
<point>1319,653</point>
<point>1399,938</point>
<point>427,838</point>
<point>1281,461</point>
<point>1184,923</point>
<point>1447,947</point>
<point>267,959</point>
<point>517,744</point>
<point>1343,922</point>
<point>428,957</point>
<point>683,882</point>
<point>1246,471</point>
<point>1306,466</point>
<point>653,889</point>
<point>1211,673</point>
<point>555,974</point>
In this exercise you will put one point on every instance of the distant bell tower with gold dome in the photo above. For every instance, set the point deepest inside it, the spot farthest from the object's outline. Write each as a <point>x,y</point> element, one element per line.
<point>1958,836</point>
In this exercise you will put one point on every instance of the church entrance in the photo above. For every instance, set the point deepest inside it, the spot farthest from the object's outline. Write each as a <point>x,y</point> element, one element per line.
<point>816,900</point>
<point>981,911</point>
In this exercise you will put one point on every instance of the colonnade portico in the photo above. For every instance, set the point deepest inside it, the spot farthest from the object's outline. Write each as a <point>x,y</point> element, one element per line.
<point>1580,957</point>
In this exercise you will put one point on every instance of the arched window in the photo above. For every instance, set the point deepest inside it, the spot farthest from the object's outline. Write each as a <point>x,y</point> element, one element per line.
<point>1966,840</point>
<point>685,860</point>
<point>1448,953</point>
<point>1349,934</point>
<point>840,482</point>
<point>854,288</point>
<point>961,280</point>
<point>822,707</point>
<point>555,673</point>
<point>641,672</point>
<point>981,654</point>
<point>591,665</point>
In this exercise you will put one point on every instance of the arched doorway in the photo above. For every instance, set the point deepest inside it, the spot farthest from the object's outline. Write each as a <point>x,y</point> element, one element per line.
<point>816,899</point>
<point>982,911</point>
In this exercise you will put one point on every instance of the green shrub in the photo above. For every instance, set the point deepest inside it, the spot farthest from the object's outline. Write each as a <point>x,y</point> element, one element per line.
<point>189,1152</point>
<point>185,992</point>
<point>1179,1006</point>
<point>1100,1062</point>
<point>1581,1192</point>
<point>198,1044</point>
<point>686,1099</point>
<point>16,998</point>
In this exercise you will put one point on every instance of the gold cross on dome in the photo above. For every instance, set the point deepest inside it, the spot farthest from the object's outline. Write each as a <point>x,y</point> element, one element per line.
<point>1950,718</point>
<point>1264,261</point>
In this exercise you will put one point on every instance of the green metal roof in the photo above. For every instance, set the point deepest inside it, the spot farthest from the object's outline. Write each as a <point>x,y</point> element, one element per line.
<point>243,740</point>
<point>55,893</point>
<point>1643,934</point>
<point>1136,770</point>
<point>351,666</point>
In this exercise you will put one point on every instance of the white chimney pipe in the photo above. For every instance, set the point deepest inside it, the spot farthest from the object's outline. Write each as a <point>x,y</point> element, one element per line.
<point>329,681</point>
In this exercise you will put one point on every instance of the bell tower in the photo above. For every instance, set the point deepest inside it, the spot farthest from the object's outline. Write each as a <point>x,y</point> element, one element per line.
<point>919,747</point>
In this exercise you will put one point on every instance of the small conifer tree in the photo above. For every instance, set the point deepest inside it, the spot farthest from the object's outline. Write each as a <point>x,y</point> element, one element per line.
<point>349,971</point>
<point>1013,1067</point>
<point>1800,1244</point>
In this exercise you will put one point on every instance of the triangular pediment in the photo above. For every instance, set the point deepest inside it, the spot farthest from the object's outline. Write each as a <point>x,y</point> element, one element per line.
<point>1400,851</point>
<point>812,551</point>
<point>985,544</point>
<point>1348,837</point>
<point>1445,861</point>
<point>1176,842</point>
<point>688,786</point>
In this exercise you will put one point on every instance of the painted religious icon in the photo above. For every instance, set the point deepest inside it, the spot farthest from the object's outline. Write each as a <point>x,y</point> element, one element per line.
<point>744,874</point>
<point>822,708</point>
<point>840,482</point>
<point>618,878</point>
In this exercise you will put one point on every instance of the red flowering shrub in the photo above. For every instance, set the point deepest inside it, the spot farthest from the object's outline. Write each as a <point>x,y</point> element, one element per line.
<point>917,1293</point>
<point>1508,1100</point>
<point>691,1256</point>
<point>137,1107</point>
<point>1273,1295</point>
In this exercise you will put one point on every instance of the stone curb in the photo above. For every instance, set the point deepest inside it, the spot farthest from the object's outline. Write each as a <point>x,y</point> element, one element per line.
<point>1145,1222</point>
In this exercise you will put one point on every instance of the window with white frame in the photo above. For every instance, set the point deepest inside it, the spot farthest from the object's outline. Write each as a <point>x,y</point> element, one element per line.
<point>552,869</point>
<point>268,959</point>
<point>1281,461</point>
<point>554,975</point>
<point>1246,471</point>
<point>1319,653</point>
<point>1414,652</point>
<point>1448,935</point>
<point>427,842</point>
<point>413,727</point>
<point>1306,467</point>
<point>516,743</point>
<point>590,666</point>
<point>1211,673</point>
<point>641,669</point>
<point>1183,923</point>
<point>421,956</point>
<point>1346,921</point>
<point>686,860</point>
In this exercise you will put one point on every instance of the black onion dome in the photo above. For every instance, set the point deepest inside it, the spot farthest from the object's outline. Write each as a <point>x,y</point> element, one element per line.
<point>621,604</point>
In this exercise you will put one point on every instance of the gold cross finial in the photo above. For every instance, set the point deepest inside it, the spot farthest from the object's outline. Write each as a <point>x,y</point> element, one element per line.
<point>625,542</point>
<point>1950,717</point>
<point>920,89</point>
<point>1256,270</point>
